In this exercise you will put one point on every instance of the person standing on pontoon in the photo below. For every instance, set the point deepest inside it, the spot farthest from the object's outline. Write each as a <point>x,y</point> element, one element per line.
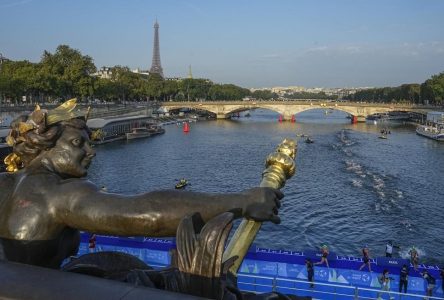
<point>389,249</point>
<point>310,271</point>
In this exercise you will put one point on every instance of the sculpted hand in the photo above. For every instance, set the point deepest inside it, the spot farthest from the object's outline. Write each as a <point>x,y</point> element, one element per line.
<point>262,204</point>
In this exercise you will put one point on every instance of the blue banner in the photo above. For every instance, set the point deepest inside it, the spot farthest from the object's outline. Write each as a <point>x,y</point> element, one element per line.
<point>295,271</point>
<point>317,255</point>
<point>392,262</point>
<point>256,267</point>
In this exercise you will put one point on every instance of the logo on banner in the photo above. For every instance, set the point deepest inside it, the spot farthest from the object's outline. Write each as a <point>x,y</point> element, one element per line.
<point>365,278</point>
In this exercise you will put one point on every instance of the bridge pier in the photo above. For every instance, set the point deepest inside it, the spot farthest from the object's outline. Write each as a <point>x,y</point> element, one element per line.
<point>287,116</point>
<point>221,116</point>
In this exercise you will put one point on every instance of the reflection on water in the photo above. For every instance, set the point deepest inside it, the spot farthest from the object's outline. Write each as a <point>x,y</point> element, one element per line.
<point>351,188</point>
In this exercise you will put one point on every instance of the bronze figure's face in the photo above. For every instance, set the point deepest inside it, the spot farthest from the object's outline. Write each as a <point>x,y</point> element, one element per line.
<point>72,153</point>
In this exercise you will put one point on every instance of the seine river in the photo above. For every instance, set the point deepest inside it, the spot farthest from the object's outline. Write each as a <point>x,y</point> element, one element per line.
<point>350,188</point>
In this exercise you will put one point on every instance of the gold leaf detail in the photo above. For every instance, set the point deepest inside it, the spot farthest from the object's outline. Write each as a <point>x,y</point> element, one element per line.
<point>12,161</point>
<point>63,112</point>
<point>68,105</point>
<point>10,140</point>
<point>25,127</point>
<point>97,135</point>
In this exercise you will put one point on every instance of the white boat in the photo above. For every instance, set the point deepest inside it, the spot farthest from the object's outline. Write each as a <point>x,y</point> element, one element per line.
<point>435,132</point>
<point>137,133</point>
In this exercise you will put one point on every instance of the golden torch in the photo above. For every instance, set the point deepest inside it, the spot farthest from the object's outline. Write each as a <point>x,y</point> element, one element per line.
<point>279,166</point>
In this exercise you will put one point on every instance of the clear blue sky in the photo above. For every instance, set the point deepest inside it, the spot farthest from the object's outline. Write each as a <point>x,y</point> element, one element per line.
<point>329,43</point>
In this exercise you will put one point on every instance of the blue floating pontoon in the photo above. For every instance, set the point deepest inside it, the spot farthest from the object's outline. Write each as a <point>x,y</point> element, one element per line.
<point>264,270</point>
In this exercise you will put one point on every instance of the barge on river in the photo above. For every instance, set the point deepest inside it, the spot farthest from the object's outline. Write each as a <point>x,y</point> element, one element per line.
<point>114,129</point>
<point>143,132</point>
<point>434,131</point>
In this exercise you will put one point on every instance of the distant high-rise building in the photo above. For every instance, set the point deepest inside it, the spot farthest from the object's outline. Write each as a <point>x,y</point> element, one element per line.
<point>156,67</point>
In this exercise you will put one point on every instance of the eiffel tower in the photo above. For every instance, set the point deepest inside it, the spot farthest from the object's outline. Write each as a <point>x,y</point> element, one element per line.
<point>155,65</point>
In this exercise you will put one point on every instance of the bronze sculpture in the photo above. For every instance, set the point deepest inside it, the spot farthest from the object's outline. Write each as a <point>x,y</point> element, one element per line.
<point>279,166</point>
<point>45,202</point>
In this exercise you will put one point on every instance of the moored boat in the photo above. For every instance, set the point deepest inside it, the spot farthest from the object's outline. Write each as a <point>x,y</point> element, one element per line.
<point>137,133</point>
<point>154,129</point>
<point>434,132</point>
<point>181,184</point>
<point>114,129</point>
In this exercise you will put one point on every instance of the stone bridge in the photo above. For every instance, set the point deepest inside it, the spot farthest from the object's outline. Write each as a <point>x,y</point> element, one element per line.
<point>359,111</point>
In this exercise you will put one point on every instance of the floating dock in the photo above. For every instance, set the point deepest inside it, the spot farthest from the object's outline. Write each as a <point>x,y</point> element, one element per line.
<point>266,270</point>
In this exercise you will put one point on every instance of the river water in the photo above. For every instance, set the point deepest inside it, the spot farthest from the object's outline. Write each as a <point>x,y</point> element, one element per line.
<point>350,188</point>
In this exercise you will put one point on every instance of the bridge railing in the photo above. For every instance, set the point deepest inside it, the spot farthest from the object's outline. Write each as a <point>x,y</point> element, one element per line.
<point>320,290</point>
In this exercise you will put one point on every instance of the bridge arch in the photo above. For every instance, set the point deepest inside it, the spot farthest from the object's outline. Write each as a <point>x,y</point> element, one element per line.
<point>193,107</point>
<point>223,109</point>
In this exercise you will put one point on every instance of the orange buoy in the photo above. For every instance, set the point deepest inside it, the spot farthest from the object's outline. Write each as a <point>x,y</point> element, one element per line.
<point>186,127</point>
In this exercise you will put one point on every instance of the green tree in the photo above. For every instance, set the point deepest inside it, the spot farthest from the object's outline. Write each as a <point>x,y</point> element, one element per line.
<point>411,92</point>
<point>194,89</point>
<point>154,87</point>
<point>170,89</point>
<point>72,71</point>
<point>126,83</point>
<point>106,89</point>
<point>264,95</point>
<point>227,92</point>
<point>433,89</point>
<point>19,79</point>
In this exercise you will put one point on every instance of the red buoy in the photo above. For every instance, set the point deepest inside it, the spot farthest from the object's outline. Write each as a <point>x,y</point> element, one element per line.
<point>354,119</point>
<point>186,127</point>
<point>280,118</point>
<point>293,119</point>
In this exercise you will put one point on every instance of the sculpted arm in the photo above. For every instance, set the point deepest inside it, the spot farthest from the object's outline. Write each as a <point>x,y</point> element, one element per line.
<point>81,205</point>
